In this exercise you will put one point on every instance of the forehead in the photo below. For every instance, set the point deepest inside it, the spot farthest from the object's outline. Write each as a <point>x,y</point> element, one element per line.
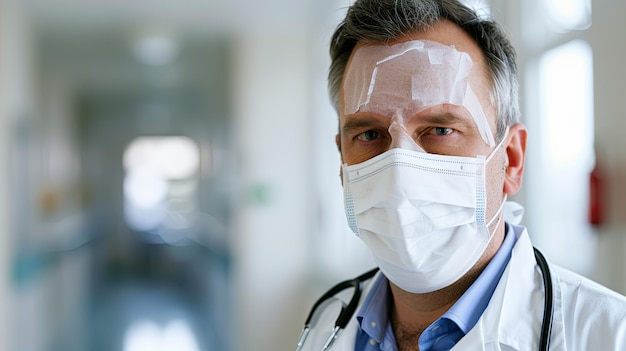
<point>405,78</point>
<point>401,80</point>
<point>446,33</point>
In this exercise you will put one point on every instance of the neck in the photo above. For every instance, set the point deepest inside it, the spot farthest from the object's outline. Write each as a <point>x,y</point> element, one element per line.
<point>418,311</point>
<point>413,313</point>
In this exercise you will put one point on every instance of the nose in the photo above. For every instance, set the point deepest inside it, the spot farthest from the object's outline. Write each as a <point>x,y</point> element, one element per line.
<point>400,138</point>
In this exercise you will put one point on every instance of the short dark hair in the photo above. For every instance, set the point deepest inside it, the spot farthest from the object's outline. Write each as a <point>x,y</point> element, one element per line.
<point>386,20</point>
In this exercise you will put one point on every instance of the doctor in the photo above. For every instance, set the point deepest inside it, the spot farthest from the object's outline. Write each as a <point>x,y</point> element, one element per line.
<point>431,146</point>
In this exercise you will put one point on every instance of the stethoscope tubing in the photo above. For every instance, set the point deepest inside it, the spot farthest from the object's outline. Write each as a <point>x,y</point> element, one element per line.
<point>347,311</point>
<point>548,303</point>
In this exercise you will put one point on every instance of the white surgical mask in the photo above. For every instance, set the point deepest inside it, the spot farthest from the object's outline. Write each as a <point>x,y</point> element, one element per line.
<point>423,216</point>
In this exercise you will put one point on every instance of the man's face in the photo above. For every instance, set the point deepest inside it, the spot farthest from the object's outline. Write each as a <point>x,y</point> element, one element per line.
<point>390,117</point>
<point>437,108</point>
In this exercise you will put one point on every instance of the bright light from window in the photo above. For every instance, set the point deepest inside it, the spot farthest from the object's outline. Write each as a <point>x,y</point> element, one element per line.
<point>569,14</point>
<point>146,335</point>
<point>566,83</point>
<point>177,336</point>
<point>144,188</point>
<point>172,157</point>
<point>480,6</point>
<point>144,219</point>
<point>179,157</point>
<point>565,123</point>
<point>159,170</point>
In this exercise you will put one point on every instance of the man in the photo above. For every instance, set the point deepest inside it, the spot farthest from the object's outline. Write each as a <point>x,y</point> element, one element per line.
<point>431,143</point>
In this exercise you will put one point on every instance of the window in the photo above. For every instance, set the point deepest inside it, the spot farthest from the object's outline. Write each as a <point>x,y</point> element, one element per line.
<point>566,105</point>
<point>480,6</point>
<point>160,185</point>
<point>567,15</point>
<point>558,110</point>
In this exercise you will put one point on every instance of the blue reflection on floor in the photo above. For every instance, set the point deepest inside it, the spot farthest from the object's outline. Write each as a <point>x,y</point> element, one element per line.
<point>130,304</point>
<point>188,299</point>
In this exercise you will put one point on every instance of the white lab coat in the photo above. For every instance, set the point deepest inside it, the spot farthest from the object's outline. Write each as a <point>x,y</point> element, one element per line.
<point>587,316</point>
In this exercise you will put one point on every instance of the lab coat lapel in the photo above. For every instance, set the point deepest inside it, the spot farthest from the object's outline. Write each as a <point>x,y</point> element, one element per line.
<point>518,320</point>
<point>523,304</point>
<point>512,320</point>
<point>347,338</point>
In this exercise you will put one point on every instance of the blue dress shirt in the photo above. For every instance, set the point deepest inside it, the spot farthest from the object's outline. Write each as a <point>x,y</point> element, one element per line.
<point>375,332</point>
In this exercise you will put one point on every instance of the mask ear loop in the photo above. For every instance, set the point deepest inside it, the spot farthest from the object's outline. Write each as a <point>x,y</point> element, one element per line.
<point>497,214</point>
<point>493,152</point>
<point>499,211</point>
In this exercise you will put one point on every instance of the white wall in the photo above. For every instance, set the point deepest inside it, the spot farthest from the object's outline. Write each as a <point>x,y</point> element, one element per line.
<point>608,43</point>
<point>5,242</point>
<point>29,320</point>
<point>294,243</point>
<point>526,24</point>
<point>270,227</point>
<point>15,94</point>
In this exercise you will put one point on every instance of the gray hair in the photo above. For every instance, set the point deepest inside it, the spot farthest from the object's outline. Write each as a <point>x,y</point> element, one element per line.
<point>385,20</point>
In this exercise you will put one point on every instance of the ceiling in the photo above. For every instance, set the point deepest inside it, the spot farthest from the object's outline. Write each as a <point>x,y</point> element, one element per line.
<point>201,15</point>
<point>93,40</point>
<point>88,46</point>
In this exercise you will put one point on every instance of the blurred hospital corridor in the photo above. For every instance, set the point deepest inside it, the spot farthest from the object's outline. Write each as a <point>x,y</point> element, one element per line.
<point>170,181</point>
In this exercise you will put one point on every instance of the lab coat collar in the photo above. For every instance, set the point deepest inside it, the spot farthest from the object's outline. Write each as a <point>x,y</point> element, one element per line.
<point>519,292</point>
<point>515,311</point>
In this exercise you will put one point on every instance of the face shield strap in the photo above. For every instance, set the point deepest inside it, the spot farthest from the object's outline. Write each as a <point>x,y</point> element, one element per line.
<point>404,79</point>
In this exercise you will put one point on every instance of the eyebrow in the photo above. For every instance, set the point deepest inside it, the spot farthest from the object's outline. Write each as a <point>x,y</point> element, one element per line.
<point>444,115</point>
<point>444,119</point>
<point>447,115</point>
<point>358,123</point>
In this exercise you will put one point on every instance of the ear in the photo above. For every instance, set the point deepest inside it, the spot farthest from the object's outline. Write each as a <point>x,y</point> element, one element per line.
<point>515,152</point>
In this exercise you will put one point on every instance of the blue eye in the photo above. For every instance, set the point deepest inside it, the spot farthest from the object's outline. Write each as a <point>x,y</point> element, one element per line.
<point>442,130</point>
<point>368,136</point>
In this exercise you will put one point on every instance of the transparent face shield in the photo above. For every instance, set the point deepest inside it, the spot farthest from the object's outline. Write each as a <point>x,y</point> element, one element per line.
<point>401,80</point>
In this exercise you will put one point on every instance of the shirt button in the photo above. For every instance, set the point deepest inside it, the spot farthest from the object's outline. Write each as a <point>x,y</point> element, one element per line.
<point>372,342</point>
<point>373,324</point>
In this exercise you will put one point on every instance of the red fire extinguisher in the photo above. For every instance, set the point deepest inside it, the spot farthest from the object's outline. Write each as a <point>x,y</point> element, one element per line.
<point>596,194</point>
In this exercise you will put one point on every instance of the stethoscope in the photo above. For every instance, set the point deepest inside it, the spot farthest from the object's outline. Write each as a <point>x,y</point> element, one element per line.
<point>348,310</point>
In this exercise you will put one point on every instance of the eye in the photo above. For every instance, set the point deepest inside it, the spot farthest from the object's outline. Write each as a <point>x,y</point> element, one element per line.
<point>368,136</point>
<point>442,131</point>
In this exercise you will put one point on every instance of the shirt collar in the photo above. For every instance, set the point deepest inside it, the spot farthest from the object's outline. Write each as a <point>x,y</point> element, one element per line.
<point>468,309</point>
<point>373,316</point>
